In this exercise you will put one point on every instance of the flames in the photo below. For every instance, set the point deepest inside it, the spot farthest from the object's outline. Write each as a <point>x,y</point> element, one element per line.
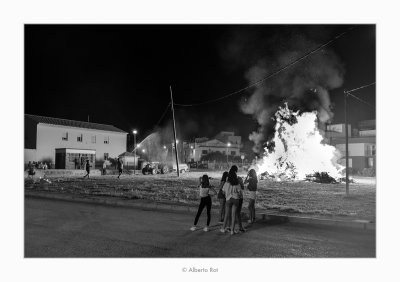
<point>297,148</point>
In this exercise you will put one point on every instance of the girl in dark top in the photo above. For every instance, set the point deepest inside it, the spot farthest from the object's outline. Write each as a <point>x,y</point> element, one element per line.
<point>205,201</point>
<point>252,181</point>
<point>221,197</point>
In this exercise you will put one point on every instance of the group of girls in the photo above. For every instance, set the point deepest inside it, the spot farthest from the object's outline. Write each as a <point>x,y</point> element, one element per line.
<point>230,196</point>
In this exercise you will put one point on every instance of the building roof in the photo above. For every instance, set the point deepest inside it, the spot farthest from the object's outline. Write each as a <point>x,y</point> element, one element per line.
<point>128,154</point>
<point>74,123</point>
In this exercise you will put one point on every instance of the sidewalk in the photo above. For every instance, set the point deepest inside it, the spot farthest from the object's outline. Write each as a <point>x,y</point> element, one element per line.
<point>181,207</point>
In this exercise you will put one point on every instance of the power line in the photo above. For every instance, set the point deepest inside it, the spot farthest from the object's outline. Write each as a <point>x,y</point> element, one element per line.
<point>361,87</point>
<point>165,111</point>
<point>271,75</point>
<point>358,98</point>
<point>361,100</point>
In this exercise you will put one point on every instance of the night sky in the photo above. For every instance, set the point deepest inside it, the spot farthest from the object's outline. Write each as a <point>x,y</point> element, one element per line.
<point>120,74</point>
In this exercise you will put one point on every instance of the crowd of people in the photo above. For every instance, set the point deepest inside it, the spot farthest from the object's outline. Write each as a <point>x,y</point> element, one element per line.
<point>32,166</point>
<point>40,165</point>
<point>230,196</point>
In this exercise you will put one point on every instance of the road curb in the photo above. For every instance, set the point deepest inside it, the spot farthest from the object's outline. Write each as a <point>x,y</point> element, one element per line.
<point>151,205</point>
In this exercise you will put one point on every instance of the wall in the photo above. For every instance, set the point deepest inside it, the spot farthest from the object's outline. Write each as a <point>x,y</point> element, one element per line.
<point>359,162</point>
<point>357,149</point>
<point>49,137</point>
<point>367,133</point>
<point>129,160</point>
<point>337,130</point>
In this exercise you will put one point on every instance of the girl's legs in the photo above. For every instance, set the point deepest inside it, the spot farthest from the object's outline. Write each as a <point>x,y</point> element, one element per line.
<point>233,217</point>
<point>228,212</point>
<point>239,214</point>
<point>199,211</point>
<point>254,210</point>
<point>251,210</point>
<point>208,206</point>
<point>222,209</point>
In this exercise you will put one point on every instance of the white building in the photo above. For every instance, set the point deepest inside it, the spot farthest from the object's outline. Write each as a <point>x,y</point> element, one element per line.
<point>66,143</point>
<point>362,143</point>
<point>225,142</point>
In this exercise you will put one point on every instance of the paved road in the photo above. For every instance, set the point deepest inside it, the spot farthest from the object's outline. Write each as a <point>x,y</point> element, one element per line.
<point>69,229</point>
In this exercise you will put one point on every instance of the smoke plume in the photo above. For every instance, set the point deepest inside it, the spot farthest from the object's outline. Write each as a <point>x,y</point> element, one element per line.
<point>304,86</point>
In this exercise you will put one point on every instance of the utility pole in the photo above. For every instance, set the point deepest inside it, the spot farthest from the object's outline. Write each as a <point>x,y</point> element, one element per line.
<point>347,142</point>
<point>134,149</point>
<point>173,123</point>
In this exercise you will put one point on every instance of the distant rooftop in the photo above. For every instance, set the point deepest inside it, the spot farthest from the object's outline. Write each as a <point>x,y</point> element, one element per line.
<point>74,123</point>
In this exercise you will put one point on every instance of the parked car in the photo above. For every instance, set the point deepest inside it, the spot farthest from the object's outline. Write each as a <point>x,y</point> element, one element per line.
<point>203,165</point>
<point>182,168</point>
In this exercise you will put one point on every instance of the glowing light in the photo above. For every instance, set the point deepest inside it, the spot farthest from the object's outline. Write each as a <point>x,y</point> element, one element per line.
<point>134,131</point>
<point>297,149</point>
<point>144,151</point>
<point>229,144</point>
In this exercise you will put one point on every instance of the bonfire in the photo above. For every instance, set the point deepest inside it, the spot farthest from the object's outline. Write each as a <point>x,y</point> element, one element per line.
<point>297,149</point>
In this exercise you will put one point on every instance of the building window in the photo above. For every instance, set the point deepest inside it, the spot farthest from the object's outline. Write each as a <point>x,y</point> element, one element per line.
<point>204,152</point>
<point>80,137</point>
<point>233,153</point>
<point>93,138</point>
<point>106,140</point>
<point>65,136</point>
<point>105,156</point>
<point>350,162</point>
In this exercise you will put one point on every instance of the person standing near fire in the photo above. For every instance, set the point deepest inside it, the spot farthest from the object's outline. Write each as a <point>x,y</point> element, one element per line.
<point>232,189</point>
<point>252,181</point>
<point>120,167</point>
<point>221,197</point>
<point>205,201</point>
<point>104,167</point>
<point>239,208</point>
<point>31,169</point>
<point>87,169</point>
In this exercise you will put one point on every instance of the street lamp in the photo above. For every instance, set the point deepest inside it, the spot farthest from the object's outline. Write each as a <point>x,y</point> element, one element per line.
<point>134,149</point>
<point>227,146</point>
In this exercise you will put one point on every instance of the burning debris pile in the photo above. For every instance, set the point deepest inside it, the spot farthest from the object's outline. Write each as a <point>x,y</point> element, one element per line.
<point>296,150</point>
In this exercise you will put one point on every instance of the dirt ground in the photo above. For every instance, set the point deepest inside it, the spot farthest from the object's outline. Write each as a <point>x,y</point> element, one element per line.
<point>291,197</point>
